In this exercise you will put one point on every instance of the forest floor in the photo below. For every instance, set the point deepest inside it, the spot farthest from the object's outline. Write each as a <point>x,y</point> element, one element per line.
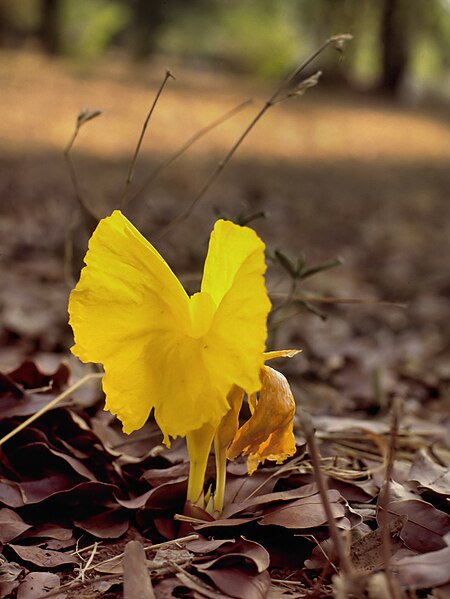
<point>336,174</point>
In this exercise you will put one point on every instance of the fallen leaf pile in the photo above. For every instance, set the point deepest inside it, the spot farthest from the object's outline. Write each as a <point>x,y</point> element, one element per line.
<point>80,500</point>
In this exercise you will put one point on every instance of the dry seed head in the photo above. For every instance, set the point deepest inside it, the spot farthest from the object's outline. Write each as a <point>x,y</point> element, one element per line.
<point>306,84</point>
<point>86,115</point>
<point>338,41</point>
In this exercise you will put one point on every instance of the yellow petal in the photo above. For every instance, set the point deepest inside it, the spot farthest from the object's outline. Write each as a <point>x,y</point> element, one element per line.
<point>234,278</point>
<point>160,348</point>
<point>230,422</point>
<point>127,307</point>
<point>268,434</point>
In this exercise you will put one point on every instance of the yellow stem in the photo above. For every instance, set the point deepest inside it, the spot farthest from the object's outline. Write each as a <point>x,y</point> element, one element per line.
<point>198,444</point>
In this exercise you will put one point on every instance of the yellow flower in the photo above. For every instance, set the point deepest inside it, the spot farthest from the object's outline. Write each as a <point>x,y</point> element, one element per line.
<point>163,350</point>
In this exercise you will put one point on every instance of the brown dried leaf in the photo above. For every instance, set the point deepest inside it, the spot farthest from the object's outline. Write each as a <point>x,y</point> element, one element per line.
<point>240,486</point>
<point>11,494</point>
<point>29,376</point>
<point>159,476</point>
<point>71,461</point>
<point>197,585</point>
<point>43,558</point>
<point>26,404</point>
<point>11,525</point>
<point>49,531</point>
<point>39,584</point>
<point>165,588</point>
<point>136,502</point>
<point>260,500</point>
<point>366,553</point>
<point>7,587</point>
<point>35,491</point>
<point>63,487</point>
<point>160,506</point>
<point>8,388</point>
<point>108,524</point>
<point>110,566</point>
<point>240,584</point>
<point>429,474</point>
<point>204,546</point>
<point>425,570</point>
<point>304,513</point>
<point>245,551</point>
<point>227,523</point>
<point>425,527</point>
<point>9,571</point>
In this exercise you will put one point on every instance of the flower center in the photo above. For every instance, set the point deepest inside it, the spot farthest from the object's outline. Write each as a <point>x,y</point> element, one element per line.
<point>201,309</point>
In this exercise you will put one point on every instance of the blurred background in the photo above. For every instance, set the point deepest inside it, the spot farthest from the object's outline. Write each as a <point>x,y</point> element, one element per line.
<point>400,47</point>
<point>358,167</point>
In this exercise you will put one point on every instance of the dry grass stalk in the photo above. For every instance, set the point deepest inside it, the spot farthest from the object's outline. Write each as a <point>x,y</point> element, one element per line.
<point>281,93</point>
<point>50,405</point>
<point>168,75</point>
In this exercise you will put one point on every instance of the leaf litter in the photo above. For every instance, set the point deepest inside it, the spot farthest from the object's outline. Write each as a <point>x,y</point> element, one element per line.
<point>64,487</point>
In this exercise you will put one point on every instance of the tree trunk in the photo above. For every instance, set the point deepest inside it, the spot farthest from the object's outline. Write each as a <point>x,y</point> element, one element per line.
<point>3,25</point>
<point>395,45</point>
<point>148,17</point>
<point>50,29</point>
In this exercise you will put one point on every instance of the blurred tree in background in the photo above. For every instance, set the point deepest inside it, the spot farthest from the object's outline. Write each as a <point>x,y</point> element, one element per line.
<point>395,40</point>
<point>50,29</point>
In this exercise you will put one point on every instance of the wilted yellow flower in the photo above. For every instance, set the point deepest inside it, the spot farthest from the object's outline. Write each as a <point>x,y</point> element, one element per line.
<point>267,435</point>
<point>163,350</point>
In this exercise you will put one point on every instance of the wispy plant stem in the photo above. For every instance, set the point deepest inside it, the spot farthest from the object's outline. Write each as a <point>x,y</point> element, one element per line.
<point>198,135</point>
<point>168,75</point>
<point>277,96</point>
<point>89,215</point>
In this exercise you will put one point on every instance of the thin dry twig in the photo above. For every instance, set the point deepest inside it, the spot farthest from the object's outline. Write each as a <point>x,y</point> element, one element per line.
<point>77,584</point>
<point>50,405</point>
<point>190,142</point>
<point>85,567</point>
<point>83,117</point>
<point>287,86</point>
<point>168,75</point>
<point>338,300</point>
<point>323,491</point>
<point>291,465</point>
<point>384,498</point>
<point>190,519</point>
<point>191,537</point>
